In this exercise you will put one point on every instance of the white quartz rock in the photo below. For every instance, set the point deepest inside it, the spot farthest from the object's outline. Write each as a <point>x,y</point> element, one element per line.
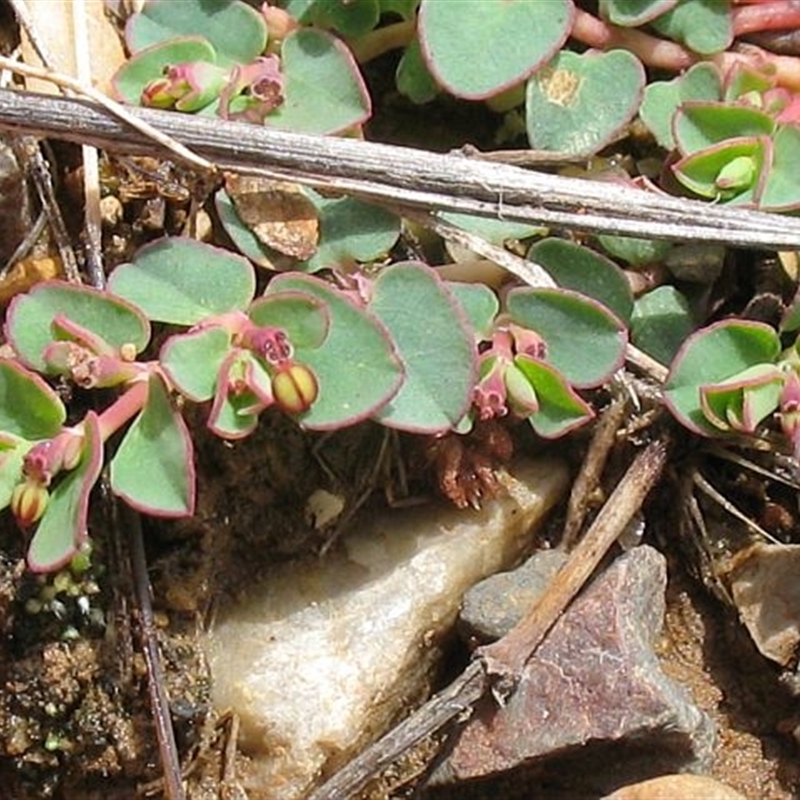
<point>325,655</point>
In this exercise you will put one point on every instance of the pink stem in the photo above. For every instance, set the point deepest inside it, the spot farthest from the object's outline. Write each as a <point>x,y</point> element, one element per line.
<point>123,409</point>
<point>652,51</point>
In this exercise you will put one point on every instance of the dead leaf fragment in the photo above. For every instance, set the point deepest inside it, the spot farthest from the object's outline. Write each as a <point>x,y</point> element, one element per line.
<point>25,274</point>
<point>278,213</point>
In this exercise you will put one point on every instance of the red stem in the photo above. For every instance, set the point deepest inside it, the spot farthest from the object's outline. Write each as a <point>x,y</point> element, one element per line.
<point>774,15</point>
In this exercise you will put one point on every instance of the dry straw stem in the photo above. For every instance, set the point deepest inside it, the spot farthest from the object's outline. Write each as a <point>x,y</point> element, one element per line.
<point>402,175</point>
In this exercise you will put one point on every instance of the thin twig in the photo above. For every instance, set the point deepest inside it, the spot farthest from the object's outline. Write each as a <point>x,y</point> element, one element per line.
<point>594,462</point>
<point>159,702</point>
<point>710,491</point>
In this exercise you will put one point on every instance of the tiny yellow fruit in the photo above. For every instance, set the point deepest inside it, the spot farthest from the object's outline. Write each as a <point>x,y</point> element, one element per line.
<point>294,388</point>
<point>28,502</point>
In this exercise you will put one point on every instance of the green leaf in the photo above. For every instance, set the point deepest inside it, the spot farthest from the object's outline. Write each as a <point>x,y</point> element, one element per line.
<point>561,409</point>
<point>697,126</point>
<point>234,415</point>
<point>413,78</point>
<point>584,341</point>
<point>192,361</point>
<point>702,25</point>
<point>573,266</point>
<point>480,304</point>
<point>632,13</point>
<point>350,230</point>
<point>304,318</point>
<point>182,281</point>
<point>435,345</point>
<point>635,251</point>
<point>781,191</point>
<point>63,528</point>
<point>29,408</point>
<point>661,322</point>
<point>663,98</point>
<point>236,31</point>
<point>568,104</point>
<point>496,231</point>
<point>731,171</point>
<point>520,36</point>
<point>711,355</point>
<point>12,456</point>
<point>348,19</point>
<point>357,367</point>
<point>149,64</point>
<point>30,317</point>
<point>742,402</point>
<point>153,469</point>
<point>325,92</point>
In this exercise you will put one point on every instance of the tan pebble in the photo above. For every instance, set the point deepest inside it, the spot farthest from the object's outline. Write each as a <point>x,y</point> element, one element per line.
<point>677,787</point>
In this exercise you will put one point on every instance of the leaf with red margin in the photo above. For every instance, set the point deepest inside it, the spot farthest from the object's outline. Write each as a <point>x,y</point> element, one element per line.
<point>153,468</point>
<point>63,528</point>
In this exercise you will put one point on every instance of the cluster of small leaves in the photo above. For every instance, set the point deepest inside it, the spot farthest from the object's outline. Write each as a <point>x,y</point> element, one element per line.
<point>736,140</point>
<point>732,376</point>
<point>403,348</point>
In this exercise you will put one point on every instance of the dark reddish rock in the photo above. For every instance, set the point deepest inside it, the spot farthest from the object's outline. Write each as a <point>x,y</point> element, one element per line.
<point>595,682</point>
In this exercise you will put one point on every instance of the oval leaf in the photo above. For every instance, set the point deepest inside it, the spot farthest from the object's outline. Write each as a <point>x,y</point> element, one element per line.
<point>480,305</point>
<point>236,31</point>
<point>662,99</point>
<point>148,65</point>
<point>153,468</point>
<point>573,266</point>
<point>192,361</point>
<point>696,126</point>
<point>29,408</point>
<point>712,355</point>
<point>561,410</point>
<point>183,281</point>
<point>357,368</point>
<point>569,107</point>
<point>584,341</point>
<point>435,345</point>
<point>632,13</point>
<point>30,318</point>
<point>63,528</point>
<point>523,35</point>
<point>350,230</point>
<point>325,92</point>
<point>781,191</point>
<point>304,318</point>
<point>661,321</point>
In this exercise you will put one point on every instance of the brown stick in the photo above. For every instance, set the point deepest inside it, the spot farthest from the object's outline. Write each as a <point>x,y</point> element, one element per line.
<point>508,656</point>
<point>405,175</point>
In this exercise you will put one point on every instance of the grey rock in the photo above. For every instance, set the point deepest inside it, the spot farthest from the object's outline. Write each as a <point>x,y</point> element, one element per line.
<point>594,682</point>
<point>495,605</point>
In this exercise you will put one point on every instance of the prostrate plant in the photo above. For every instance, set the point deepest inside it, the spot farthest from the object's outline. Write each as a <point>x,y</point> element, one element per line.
<point>403,348</point>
